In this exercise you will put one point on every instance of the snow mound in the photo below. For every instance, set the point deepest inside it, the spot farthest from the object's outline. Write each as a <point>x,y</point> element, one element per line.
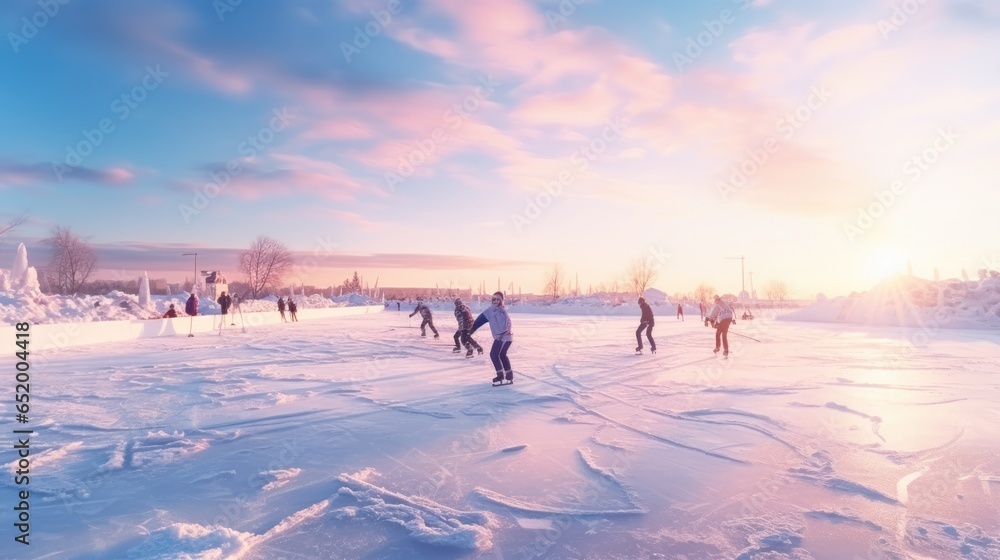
<point>354,299</point>
<point>194,542</point>
<point>906,301</point>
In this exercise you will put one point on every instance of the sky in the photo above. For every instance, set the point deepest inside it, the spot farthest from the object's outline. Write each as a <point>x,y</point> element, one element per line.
<point>454,142</point>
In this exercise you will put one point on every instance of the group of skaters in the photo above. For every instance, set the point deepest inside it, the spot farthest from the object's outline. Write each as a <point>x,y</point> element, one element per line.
<point>293,309</point>
<point>500,327</point>
<point>721,317</point>
<point>226,302</point>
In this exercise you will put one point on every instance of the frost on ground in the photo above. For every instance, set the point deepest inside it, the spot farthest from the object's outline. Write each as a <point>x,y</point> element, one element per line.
<point>355,438</point>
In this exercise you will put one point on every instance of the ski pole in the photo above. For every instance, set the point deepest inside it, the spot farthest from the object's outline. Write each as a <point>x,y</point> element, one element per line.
<point>745,336</point>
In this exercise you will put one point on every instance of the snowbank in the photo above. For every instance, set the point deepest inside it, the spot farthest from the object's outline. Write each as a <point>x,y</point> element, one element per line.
<point>37,308</point>
<point>907,301</point>
<point>80,333</point>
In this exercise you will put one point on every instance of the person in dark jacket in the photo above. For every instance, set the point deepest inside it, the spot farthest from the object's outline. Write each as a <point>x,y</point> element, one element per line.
<point>463,314</point>
<point>191,306</point>
<point>224,302</point>
<point>500,326</point>
<point>171,313</point>
<point>645,323</point>
<point>425,312</point>
<point>680,312</point>
<point>293,310</point>
<point>281,309</point>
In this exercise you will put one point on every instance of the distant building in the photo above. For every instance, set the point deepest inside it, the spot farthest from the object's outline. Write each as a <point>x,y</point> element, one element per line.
<point>215,284</point>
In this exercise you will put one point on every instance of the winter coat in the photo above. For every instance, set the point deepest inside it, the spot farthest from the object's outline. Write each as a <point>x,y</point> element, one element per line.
<point>191,307</point>
<point>722,310</point>
<point>463,314</point>
<point>424,311</point>
<point>292,307</point>
<point>499,320</point>
<point>281,304</point>
<point>170,314</point>
<point>647,314</point>
<point>224,302</point>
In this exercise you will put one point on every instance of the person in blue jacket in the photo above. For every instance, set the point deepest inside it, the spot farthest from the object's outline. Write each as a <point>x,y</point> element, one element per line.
<point>498,318</point>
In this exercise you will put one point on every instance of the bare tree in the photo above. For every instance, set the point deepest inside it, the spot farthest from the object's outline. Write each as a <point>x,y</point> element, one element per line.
<point>73,260</point>
<point>554,280</point>
<point>12,225</point>
<point>776,290</point>
<point>265,265</point>
<point>640,274</point>
<point>704,292</point>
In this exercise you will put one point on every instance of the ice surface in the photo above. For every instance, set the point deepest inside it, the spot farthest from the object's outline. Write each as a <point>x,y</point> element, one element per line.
<point>355,438</point>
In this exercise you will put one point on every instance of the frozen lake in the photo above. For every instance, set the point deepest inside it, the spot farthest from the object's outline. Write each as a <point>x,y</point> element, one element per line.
<point>356,438</point>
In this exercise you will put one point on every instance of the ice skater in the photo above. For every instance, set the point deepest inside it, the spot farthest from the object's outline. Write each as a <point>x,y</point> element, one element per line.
<point>463,314</point>
<point>281,309</point>
<point>224,302</point>
<point>171,313</point>
<point>498,318</point>
<point>721,317</point>
<point>425,312</point>
<point>680,312</point>
<point>645,323</point>
<point>701,309</point>
<point>293,310</point>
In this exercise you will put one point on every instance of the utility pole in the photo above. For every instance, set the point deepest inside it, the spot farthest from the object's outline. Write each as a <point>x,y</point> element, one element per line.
<point>743,278</point>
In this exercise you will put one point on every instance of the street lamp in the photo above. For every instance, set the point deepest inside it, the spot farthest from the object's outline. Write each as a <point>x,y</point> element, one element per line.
<point>194,288</point>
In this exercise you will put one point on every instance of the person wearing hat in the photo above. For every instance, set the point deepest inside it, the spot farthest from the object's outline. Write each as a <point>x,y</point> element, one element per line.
<point>721,317</point>
<point>171,313</point>
<point>463,314</point>
<point>645,324</point>
<point>498,318</point>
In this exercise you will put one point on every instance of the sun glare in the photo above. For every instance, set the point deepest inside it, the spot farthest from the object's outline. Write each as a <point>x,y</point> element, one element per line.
<point>885,263</point>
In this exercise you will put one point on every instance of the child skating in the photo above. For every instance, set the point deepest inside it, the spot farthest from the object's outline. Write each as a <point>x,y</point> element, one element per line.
<point>498,318</point>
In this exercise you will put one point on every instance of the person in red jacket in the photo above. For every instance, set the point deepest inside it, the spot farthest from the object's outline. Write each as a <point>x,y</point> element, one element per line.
<point>171,313</point>
<point>191,307</point>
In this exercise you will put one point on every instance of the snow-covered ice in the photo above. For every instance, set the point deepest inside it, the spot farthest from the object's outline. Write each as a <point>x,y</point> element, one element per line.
<point>356,438</point>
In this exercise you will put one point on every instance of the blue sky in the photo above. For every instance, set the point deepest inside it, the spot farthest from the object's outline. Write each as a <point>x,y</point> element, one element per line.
<point>878,86</point>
